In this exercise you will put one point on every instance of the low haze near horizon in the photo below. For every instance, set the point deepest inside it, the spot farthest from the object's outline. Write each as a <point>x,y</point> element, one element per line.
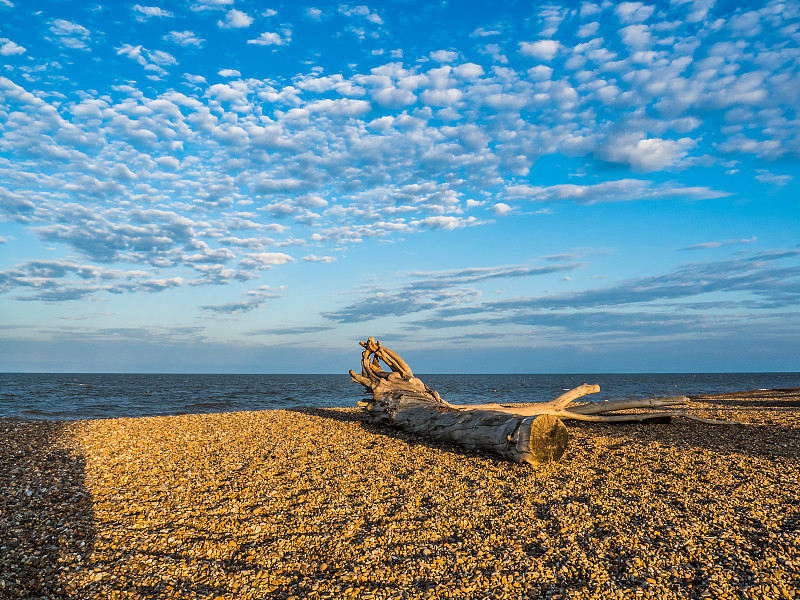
<point>241,186</point>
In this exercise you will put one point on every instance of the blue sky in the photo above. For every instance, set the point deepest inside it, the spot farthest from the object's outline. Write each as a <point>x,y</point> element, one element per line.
<point>242,186</point>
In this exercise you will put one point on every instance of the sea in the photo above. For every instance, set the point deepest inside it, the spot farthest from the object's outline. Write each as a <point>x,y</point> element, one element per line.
<point>73,396</point>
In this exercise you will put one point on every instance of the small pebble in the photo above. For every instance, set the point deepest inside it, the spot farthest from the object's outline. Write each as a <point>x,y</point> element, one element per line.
<point>323,504</point>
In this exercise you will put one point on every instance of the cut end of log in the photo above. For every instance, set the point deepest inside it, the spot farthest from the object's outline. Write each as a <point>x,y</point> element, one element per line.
<point>541,440</point>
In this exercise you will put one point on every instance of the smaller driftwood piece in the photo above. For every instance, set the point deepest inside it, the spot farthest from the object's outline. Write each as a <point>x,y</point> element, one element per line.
<point>524,433</point>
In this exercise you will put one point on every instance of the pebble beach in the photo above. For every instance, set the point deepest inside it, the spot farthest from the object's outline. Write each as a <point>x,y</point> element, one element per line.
<point>322,504</point>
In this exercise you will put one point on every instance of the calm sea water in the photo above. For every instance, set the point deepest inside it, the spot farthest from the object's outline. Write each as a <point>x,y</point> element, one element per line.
<point>90,396</point>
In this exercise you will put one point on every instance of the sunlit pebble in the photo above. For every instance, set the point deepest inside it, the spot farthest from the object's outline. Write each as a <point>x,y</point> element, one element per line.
<point>321,504</point>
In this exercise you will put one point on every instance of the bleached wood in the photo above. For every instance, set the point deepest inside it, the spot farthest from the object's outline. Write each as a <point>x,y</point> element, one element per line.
<point>592,408</point>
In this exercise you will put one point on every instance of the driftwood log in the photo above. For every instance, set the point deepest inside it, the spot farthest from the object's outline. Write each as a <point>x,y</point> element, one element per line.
<point>524,433</point>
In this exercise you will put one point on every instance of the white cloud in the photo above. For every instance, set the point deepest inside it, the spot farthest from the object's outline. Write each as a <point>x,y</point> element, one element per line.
<point>540,73</point>
<point>160,57</point>
<point>184,38</point>
<point>265,259</point>
<point>589,8</point>
<point>360,11</point>
<point>315,258</point>
<point>195,79</point>
<point>699,10</point>
<point>710,245</point>
<point>445,97</point>
<point>9,48</point>
<point>445,222</point>
<point>588,29</point>
<point>146,12</point>
<point>235,19</point>
<point>495,51</point>
<point>645,154</point>
<point>468,71</point>
<point>444,56</point>
<point>203,5</point>
<point>168,162</point>
<point>270,38</point>
<point>543,49</point>
<point>70,35</point>
<point>633,12</point>
<point>152,60</point>
<point>636,36</point>
<point>765,176</point>
<point>132,52</point>
<point>621,190</point>
<point>502,209</point>
<point>342,107</point>
<point>350,155</point>
<point>481,32</point>
<point>393,97</point>
<point>313,13</point>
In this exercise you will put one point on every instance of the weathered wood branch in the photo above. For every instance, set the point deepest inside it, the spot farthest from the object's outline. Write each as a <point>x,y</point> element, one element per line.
<point>529,433</point>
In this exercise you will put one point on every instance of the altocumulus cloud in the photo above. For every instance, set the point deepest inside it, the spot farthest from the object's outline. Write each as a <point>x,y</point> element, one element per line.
<point>189,168</point>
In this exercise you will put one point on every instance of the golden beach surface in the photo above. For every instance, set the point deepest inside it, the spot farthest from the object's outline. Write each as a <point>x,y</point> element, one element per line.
<point>322,504</point>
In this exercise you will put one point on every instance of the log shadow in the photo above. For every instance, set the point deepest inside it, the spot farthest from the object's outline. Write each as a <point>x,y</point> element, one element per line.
<point>776,398</point>
<point>46,517</point>
<point>352,416</point>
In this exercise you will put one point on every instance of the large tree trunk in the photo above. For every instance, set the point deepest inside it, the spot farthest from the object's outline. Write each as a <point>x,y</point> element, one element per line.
<point>524,433</point>
<point>535,439</point>
<point>402,400</point>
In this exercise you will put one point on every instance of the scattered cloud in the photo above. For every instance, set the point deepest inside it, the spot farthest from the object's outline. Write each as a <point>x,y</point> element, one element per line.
<point>645,154</point>
<point>765,176</point>
<point>153,61</point>
<point>235,19</point>
<point>322,259</point>
<point>205,5</point>
<point>70,35</point>
<point>633,12</point>
<point>698,297</point>
<point>147,12</point>
<point>502,209</point>
<point>191,180</point>
<point>314,13</point>
<point>184,38</point>
<point>481,32</point>
<point>444,56</point>
<point>271,38</point>
<point>9,48</point>
<point>545,50</point>
<point>427,291</point>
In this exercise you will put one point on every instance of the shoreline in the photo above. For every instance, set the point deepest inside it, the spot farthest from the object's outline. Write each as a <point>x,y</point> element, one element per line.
<point>318,503</point>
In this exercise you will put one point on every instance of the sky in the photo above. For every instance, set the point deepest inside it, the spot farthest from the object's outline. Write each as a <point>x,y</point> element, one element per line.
<point>486,187</point>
